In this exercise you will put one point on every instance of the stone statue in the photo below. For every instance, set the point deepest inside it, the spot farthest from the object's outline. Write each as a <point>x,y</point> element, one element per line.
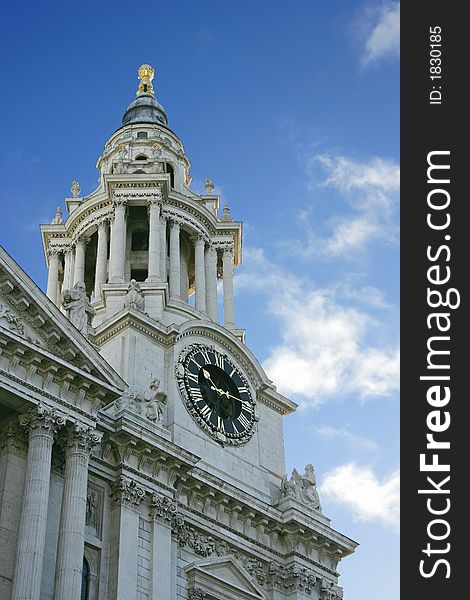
<point>156,401</point>
<point>302,487</point>
<point>58,219</point>
<point>75,189</point>
<point>134,297</point>
<point>79,311</point>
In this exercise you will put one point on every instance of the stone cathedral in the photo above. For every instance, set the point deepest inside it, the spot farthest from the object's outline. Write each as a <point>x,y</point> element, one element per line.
<point>141,442</point>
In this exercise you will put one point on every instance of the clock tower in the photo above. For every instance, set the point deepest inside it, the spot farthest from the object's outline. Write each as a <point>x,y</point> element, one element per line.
<point>186,491</point>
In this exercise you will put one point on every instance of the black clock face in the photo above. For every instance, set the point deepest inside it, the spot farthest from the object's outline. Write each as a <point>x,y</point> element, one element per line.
<point>217,394</point>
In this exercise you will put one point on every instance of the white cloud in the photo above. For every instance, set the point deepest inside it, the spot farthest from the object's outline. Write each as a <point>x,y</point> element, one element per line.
<point>333,433</point>
<point>324,350</point>
<point>382,32</point>
<point>369,498</point>
<point>370,192</point>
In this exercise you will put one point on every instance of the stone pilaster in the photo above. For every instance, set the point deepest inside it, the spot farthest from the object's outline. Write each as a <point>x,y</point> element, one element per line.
<point>162,512</point>
<point>175,260</point>
<point>211,283</point>
<point>117,258</point>
<point>68,574</point>
<point>154,264</point>
<point>127,496</point>
<point>200,277</point>
<point>79,266</point>
<point>229,308</point>
<point>42,424</point>
<point>53,275</point>
<point>101,257</point>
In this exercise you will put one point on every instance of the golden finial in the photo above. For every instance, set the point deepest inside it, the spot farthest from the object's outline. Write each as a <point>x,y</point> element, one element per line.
<point>146,74</point>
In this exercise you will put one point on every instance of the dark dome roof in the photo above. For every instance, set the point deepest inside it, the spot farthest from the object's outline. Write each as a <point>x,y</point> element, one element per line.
<point>145,109</point>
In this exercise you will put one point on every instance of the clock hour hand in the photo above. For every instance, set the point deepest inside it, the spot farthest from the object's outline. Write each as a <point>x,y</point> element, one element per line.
<point>213,386</point>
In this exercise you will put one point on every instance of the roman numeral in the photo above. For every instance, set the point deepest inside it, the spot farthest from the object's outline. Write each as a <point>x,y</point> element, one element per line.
<point>242,389</point>
<point>193,377</point>
<point>219,360</point>
<point>243,421</point>
<point>220,424</point>
<point>206,412</point>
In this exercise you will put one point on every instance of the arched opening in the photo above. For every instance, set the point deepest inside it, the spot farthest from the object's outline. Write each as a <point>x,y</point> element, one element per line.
<point>142,135</point>
<point>141,157</point>
<point>139,171</point>
<point>85,580</point>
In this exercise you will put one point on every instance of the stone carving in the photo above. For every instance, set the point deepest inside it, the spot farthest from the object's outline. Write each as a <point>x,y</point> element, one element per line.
<point>58,219</point>
<point>92,505</point>
<point>130,400</point>
<point>75,189</point>
<point>127,492</point>
<point>330,591</point>
<point>226,215</point>
<point>83,438</point>
<point>197,594</point>
<point>209,186</point>
<point>156,401</point>
<point>43,418</point>
<point>12,321</point>
<point>291,577</point>
<point>302,487</point>
<point>134,298</point>
<point>163,508</point>
<point>79,311</point>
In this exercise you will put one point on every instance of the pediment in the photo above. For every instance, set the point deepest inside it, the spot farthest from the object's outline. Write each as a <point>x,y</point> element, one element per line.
<point>223,579</point>
<point>29,318</point>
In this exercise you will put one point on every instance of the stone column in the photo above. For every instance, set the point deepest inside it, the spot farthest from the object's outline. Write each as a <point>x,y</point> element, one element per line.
<point>42,423</point>
<point>117,258</point>
<point>211,283</point>
<point>175,259</point>
<point>163,513</point>
<point>53,275</point>
<point>69,563</point>
<point>200,274</point>
<point>229,308</point>
<point>127,496</point>
<point>154,239</point>
<point>79,267</point>
<point>101,269</point>
<point>163,249</point>
<point>67,269</point>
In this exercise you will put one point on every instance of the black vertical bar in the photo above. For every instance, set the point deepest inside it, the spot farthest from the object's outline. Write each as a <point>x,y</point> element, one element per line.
<point>435,118</point>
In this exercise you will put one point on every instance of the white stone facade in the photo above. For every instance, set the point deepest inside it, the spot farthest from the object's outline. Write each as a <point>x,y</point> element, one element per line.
<point>111,487</point>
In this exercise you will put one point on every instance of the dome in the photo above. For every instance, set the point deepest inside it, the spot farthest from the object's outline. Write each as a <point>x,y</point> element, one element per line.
<point>145,109</point>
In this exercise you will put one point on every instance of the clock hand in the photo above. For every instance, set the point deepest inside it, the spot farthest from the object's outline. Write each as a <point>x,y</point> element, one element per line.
<point>213,386</point>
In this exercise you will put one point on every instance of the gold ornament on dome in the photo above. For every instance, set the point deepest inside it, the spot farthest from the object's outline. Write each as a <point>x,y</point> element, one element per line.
<point>146,74</point>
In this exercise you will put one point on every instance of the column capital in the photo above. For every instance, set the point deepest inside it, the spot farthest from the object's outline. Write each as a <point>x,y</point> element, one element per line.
<point>174,221</point>
<point>198,239</point>
<point>155,199</point>
<point>82,438</point>
<point>127,492</point>
<point>103,223</point>
<point>81,240</point>
<point>162,508</point>
<point>42,419</point>
<point>53,252</point>
<point>119,202</point>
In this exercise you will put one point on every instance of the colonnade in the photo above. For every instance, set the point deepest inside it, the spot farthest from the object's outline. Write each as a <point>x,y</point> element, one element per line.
<point>42,424</point>
<point>160,266</point>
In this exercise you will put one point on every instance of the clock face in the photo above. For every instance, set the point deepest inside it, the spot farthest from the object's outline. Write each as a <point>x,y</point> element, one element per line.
<point>216,394</point>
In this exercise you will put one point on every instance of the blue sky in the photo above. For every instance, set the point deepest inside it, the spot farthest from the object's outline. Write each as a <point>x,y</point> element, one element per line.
<point>293,110</point>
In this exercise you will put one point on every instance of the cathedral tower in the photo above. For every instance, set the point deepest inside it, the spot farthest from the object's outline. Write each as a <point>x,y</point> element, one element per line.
<point>184,494</point>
